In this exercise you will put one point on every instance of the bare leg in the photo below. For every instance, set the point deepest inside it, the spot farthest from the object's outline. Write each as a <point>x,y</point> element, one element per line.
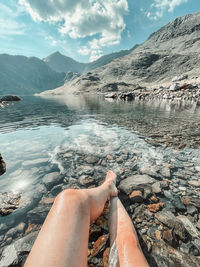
<point>63,239</point>
<point>123,235</point>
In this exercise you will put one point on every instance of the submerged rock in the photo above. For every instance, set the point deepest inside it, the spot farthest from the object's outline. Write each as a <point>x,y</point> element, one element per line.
<point>9,202</point>
<point>52,178</point>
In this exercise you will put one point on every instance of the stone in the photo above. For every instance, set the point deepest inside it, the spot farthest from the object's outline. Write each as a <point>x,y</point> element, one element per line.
<point>85,170</point>
<point>136,196</point>
<point>155,207</point>
<point>38,214</point>
<point>188,225</point>
<point>174,87</point>
<point>156,188</point>
<point>180,231</point>
<point>192,210</point>
<point>32,228</point>
<point>86,180</point>
<point>47,200</point>
<point>99,245</point>
<point>158,235</point>
<point>106,257</point>
<point>182,188</point>
<point>21,227</point>
<point>109,157</point>
<point>165,171</point>
<point>191,201</point>
<point>154,199</point>
<point>52,178</point>
<point>16,253</point>
<point>91,159</point>
<point>198,225</point>
<point>9,202</point>
<point>166,217</point>
<point>135,182</point>
<point>56,189</point>
<point>165,256</point>
<point>168,236</point>
<point>194,183</point>
<point>2,166</point>
<point>149,170</point>
<point>179,206</point>
<point>10,98</point>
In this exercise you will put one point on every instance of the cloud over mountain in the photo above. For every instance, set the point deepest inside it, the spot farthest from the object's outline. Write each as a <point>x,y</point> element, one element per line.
<point>158,7</point>
<point>79,19</point>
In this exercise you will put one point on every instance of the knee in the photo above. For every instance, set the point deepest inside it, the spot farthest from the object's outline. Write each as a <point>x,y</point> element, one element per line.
<point>73,197</point>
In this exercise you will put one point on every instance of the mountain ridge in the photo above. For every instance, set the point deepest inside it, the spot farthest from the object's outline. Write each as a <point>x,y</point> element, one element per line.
<point>171,51</point>
<point>26,75</point>
<point>62,63</point>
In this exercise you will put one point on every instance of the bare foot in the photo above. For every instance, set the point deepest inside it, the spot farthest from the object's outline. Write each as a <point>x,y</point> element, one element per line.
<point>111,180</point>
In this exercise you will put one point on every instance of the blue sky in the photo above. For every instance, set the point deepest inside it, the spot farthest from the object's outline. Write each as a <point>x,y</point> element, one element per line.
<point>83,29</point>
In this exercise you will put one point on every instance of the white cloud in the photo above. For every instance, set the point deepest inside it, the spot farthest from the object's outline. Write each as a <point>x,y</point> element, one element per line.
<point>8,22</point>
<point>82,18</point>
<point>160,6</point>
<point>84,50</point>
<point>50,39</point>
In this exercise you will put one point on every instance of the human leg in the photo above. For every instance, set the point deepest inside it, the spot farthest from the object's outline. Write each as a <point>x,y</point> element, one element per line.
<point>123,237</point>
<point>63,239</point>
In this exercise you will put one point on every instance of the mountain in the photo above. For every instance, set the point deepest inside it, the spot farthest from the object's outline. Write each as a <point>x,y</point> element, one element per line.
<point>61,63</point>
<point>171,51</point>
<point>26,75</point>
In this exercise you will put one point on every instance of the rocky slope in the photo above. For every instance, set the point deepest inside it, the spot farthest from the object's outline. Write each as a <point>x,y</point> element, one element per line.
<point>26,75</point>
<point>171,51</point>
<point>61,63</point>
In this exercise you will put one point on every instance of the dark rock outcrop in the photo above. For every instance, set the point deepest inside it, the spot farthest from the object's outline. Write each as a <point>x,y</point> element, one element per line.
<point>2,165</point>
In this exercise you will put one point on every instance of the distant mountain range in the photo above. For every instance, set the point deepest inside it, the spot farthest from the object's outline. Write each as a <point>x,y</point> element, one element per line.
<point>61,63</point>
<point>28,75</point>
<point>171,51</point>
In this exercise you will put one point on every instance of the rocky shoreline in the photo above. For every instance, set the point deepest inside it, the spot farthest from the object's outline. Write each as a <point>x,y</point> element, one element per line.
<point>174,92</point>
<point>162,199</point>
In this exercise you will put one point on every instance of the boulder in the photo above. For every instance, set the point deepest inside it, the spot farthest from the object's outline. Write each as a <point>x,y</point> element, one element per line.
<point>166,256</point>
<point>52,178</point>
<point>166,217</point>
<point>16,253</point>
<point>174,87</point>
<point>136,182</point>
<point>10,98</point>
<point>2,166</point>
<point>188,225</point>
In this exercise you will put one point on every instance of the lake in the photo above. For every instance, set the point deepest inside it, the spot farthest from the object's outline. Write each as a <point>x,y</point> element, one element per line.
<point>81,137</point>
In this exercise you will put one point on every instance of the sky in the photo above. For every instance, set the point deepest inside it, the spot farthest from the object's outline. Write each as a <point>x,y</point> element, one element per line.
<point>83,29</point>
